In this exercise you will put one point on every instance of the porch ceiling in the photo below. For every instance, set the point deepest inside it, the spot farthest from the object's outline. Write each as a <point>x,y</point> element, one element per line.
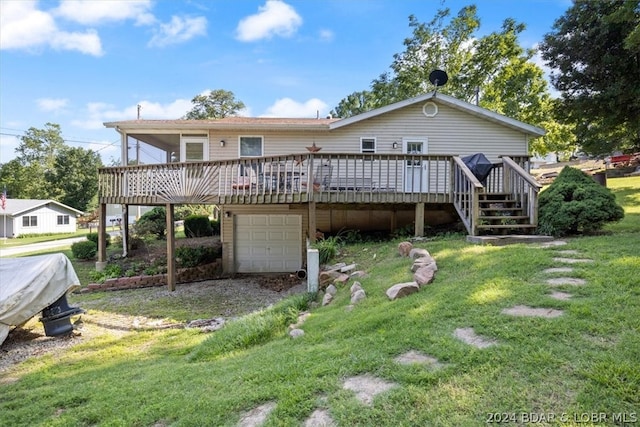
<point>164,141</point>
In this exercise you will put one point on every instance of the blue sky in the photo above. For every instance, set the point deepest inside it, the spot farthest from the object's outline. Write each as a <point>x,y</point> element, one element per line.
<point>80,63</point>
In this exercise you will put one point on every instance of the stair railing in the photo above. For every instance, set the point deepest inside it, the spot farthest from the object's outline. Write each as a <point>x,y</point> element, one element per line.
<point>522,187</point>
<point>465,193</point>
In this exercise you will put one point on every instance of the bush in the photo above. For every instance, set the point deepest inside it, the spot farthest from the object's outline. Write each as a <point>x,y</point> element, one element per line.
<point>94,238</point>
<point>574,204</point>
<point>85,249</point>
<point>215,227</point>
<point>153,223</point>
<point>192,257</point>
<point>328,248</point>
<point>197,226</point>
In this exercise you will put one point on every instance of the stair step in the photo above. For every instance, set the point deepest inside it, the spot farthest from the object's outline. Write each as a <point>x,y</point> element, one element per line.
<point>501,217</point>
<point>484,209</point>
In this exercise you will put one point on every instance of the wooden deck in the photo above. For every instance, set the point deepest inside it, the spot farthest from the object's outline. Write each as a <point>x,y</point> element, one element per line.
<point>328,178</point>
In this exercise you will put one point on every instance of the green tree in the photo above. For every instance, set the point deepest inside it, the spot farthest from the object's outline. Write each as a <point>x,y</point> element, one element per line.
<point>217,104</point>
<point>493,68</point>
<point>594,49</point>
<point>75,177</point>
<point>46,168</point>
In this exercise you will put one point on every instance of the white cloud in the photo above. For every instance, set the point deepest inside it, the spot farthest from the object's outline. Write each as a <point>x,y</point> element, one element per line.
<point>179,30</point>
<point>274,18</point>
<point>326,35</point>
<point>51,104</point>
<point>287,107</point>
<point>93,12</point>
<point>22,26</point>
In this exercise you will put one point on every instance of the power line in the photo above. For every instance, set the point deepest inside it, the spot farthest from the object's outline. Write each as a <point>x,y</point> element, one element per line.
<point>63,138</point>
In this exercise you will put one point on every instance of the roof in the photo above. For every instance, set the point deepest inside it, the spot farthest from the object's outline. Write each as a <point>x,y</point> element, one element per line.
<point>322,124</point>
<point>16,207</point>
<point>228,123</point>
<point>449,101</point>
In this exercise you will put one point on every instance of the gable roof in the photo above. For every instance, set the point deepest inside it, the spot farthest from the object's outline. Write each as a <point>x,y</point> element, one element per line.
<point>449,101</point>
<point>321,124</point>
<point>16,207</point>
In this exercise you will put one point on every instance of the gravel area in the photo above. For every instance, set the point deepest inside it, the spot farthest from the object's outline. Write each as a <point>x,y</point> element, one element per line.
<point>229,298</point>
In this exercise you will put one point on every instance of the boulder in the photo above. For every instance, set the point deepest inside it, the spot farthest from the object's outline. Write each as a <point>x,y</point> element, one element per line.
<point>341,279</point>
<point>423,262</point>
<point>296,333</point>
<point>424,275</point>
<point>355,287</point>
<point>418,253</point>
<point>404,248</point>
<point>402,290</point>
<point>358,296</point>
<point>326,300</point>
<point>331,289</point>
<point>358,274</point>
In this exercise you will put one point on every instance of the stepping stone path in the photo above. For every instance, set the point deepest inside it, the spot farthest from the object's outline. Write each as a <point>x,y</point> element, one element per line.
<point>525,311</point>
<point>469,336</point>
<point>572,281</point>
<point>366,387</point>
<point>416,358</point>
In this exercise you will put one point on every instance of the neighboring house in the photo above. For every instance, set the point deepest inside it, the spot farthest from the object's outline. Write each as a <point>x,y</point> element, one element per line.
<point>28,216</point>
<point>279,180</point>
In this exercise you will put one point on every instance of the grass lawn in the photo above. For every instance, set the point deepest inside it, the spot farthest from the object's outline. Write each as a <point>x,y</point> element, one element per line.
<point>573,369</point>
<point>9,243</point>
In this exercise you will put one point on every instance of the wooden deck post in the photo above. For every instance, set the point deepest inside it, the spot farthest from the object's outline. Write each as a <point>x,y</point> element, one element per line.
<point>124,230</point>
<point>171,249</point>
<point>419,228</point>
<point>102,242</point>
<point>312,222</point>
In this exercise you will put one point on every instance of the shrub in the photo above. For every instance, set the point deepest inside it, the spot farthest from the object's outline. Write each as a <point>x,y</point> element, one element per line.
<point>192,257</point>
<point>197,226</point>
<point>328,248</point>
<point>85,249</point>
<point>215,227</point>
<point>153,223</point>
<point>574,204</point>
<point>94,238</point>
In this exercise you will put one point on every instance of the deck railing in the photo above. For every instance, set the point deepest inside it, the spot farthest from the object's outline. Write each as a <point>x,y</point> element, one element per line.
<point>466,192</point>
<point>295,178</point>
<point>522,187</point>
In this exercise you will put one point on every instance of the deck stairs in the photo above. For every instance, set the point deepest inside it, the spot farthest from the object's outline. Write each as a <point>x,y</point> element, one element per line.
<point>500,214</point>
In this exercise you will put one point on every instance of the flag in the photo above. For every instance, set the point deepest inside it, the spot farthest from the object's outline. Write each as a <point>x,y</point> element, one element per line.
<point>4,198</point>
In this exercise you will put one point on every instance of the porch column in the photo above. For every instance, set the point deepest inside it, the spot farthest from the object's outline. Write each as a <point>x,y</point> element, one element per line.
<point>102,242</point>
<point>312,222</point>
<point>125,230</point>
<point>171,249</point>
<point>419,231</point>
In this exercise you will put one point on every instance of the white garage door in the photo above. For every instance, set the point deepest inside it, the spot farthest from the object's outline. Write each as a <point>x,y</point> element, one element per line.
<point>268,243</point>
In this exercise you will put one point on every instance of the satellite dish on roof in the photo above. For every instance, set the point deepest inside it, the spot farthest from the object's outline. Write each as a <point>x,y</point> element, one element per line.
<point>438,78</point>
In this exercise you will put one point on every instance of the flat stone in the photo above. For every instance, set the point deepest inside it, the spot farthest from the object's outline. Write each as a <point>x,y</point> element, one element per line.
<point>366,387</point>
<point>468,336</point>
<point>525,311</point>
<point>573,260</point>
<point>320,418</point>
<point>572,281</point>
<point>257,416</point>
<point>562,296</point>
<point>413,357</point>
<point>296,333</point>
<point>402,290</point>
<point>553,243</point>
<point>419,253</point>
<point>568,252</point>
<point>558,270</point>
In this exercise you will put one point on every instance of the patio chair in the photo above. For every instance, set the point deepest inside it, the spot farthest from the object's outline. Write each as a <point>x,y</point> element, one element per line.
<point>322,177</point>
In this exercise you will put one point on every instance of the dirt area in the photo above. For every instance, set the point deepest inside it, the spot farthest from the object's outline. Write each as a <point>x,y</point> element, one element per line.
<point>228,298</point>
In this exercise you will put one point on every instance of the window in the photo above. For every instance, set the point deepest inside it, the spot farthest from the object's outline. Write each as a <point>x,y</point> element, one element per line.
<point>194,148</point>
<point>29,221</point>
<point>367,145</point>
<point>63,219</point>
<point>250,146</point>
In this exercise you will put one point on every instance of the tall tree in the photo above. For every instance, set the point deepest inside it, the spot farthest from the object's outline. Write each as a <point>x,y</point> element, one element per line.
<point>217,104</point>
<point>594,49</point>
<point>46,168</point>
<point>493,68</point>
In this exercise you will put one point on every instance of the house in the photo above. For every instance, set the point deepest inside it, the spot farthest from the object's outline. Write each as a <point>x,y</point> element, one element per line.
<point>277,181</point>
<point>29,216</point>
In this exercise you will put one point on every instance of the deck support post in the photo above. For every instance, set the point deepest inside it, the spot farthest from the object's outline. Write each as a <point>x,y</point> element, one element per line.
<point>419,228</point>
<point>312,222</point>
<point>102,242</point>
<point>171,249</point>
<point>124,230</point>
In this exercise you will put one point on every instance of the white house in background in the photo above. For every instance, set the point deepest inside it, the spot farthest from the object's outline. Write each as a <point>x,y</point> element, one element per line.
<point>29,216</point>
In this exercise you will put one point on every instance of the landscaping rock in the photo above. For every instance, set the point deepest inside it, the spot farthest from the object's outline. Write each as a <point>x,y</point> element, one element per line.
<point>207,325</point>
<point>320,418</point>
<point>419,253</point>
<point>348,268</point>
<point>358,296</point>
<point>424,275</point>
<point>402,290</point>
<point>296,333</point>
<point>326,300</point>
<point>331,289</point>
<point>355,287</point>
<point>358,274</point>
<point>572,281</point>
<point>404,248</point>
<point>424,262</point>
<point>525,311</point>
<point>413,357</point>
<point>468,336</point>
<point>341,279</point>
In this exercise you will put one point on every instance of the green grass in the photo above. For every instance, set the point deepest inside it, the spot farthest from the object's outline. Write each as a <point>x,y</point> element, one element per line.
<point>585,362</point>
<point>9,243</point>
